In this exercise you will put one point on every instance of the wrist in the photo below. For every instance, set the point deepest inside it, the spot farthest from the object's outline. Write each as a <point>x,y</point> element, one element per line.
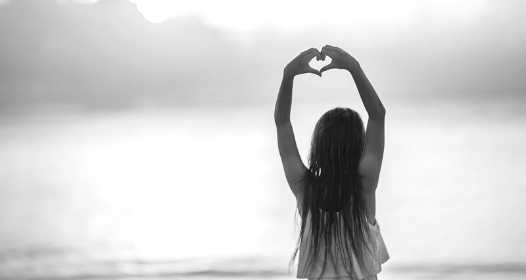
<point>354,68</point>
<point>288,75</point>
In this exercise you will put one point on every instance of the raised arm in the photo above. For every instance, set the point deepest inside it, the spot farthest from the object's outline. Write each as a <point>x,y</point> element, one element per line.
<point>290,157</point>
<point>371,162</point>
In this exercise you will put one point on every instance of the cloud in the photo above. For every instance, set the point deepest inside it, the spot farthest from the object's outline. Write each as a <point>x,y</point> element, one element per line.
<point>107,55</point>
<point>89,2</point>
<point>246,16</point>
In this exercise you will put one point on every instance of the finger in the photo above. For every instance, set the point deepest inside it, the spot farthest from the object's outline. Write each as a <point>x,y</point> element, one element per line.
<point>313,53</point>
<point>329,48</point>
<point>319,56</point>
<point>325,52</point>
<point>308,51</point>
<point>323,55</point>
<point>332,51</point>
<point>316,53</point>
<point>327,67</point>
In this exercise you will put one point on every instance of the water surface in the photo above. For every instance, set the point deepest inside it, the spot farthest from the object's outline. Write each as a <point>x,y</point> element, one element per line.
<point>201,194</point>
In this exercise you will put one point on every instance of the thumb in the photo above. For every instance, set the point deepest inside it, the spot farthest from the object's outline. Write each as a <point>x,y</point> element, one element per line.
<point>313,71</point>
<point>327,67</point>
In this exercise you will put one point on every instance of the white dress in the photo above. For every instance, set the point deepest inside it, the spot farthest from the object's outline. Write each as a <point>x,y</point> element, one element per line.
<point>373,260</point>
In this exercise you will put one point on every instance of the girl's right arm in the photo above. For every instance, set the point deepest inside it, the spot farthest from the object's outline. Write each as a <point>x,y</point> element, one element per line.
<point>371,162</point>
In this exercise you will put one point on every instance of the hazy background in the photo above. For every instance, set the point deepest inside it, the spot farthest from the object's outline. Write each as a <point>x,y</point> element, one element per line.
<point>137,137</point>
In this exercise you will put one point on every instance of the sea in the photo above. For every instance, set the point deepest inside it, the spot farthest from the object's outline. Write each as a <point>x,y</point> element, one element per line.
<point>200,193</point>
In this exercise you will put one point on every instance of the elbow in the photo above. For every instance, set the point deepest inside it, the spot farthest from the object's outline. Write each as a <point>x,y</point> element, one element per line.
<point>382,111</point>
<point>280,120</point>
<point>379,113</point>
<point>280,117</point>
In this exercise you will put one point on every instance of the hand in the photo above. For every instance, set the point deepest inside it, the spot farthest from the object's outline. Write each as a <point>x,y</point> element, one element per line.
<point>300,64</point>
<point>340,59</point>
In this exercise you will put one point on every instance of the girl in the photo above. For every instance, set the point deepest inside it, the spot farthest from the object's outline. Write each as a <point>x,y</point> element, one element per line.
<point>339,236</point>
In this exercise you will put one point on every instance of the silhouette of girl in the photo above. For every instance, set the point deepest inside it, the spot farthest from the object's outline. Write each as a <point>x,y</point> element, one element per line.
<point>339,236</point>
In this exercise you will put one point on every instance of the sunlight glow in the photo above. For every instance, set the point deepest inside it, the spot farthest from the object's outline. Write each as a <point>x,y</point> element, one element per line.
<point>164,213</point>
<point>459,9</point>
<point>157,11</point>
<point>248,15</point>
<point>87,1</point>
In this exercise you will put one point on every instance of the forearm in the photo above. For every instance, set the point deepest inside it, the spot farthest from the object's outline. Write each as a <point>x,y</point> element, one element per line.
<point>284,101</point>
<point>371,101</point>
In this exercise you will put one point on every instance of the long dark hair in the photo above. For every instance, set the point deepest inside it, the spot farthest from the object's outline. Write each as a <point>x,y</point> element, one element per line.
<point>332,196</point>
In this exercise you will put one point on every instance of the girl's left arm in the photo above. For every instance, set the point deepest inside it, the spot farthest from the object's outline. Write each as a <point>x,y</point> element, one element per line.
<point>288,150</point>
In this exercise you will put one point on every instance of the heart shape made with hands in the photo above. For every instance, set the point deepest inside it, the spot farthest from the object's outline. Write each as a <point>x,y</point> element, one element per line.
<point>315,64</point>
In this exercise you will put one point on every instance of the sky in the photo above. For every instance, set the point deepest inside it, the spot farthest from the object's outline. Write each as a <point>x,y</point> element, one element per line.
<point>114,54</point>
